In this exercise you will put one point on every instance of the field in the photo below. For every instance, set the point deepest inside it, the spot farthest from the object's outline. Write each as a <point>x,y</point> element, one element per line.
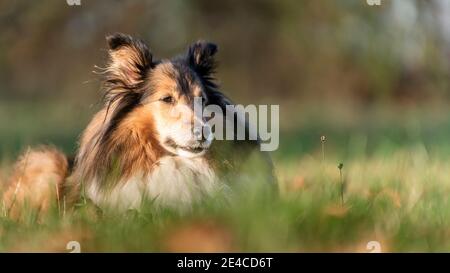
<point>392,188</point>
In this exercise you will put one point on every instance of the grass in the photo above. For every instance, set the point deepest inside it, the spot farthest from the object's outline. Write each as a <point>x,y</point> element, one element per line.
<point>396,188</point>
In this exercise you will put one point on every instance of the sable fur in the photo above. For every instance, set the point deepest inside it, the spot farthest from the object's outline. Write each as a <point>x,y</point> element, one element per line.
<point>121,152</point>
<point>36,181</point>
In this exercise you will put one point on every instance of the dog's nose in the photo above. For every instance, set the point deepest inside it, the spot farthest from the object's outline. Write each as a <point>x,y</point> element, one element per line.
<point>202,132</point>
<point>198,133</point>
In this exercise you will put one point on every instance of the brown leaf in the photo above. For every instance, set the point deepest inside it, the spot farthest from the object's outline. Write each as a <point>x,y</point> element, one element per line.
<point>199,237</point>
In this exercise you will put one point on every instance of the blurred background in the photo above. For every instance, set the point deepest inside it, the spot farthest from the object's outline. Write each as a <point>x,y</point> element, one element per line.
<point>370,78</point>
<point>374,80</point>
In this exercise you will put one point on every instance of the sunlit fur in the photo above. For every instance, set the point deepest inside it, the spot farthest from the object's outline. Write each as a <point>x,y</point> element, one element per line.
<point>140,146</point>
<point>38,177</point>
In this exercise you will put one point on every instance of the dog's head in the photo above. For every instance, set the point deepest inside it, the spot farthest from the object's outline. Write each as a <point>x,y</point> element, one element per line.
<point>156,98</point>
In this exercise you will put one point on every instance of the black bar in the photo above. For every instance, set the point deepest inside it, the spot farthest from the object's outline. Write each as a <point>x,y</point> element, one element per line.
<point>226,262</point>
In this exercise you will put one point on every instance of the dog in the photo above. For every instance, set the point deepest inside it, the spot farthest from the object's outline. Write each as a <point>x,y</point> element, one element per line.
<point>137,148</point>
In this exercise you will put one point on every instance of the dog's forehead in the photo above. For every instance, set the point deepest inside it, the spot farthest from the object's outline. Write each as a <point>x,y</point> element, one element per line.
<point>176,76</point>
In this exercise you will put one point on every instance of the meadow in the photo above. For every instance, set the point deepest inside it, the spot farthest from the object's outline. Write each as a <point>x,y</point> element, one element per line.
<point>392,188</point>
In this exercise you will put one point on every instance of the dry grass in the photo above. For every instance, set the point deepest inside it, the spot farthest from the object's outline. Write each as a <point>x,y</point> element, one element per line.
<point>396,193</point>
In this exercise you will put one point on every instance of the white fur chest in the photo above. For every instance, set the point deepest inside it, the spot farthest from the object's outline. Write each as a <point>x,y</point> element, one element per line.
<point>175,182</point>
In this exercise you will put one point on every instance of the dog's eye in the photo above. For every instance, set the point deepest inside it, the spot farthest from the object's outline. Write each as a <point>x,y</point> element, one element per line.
<point>168,99</point>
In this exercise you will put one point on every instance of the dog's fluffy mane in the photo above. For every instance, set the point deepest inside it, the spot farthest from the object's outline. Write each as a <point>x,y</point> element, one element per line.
<point>120,144</point>
<point>105,149</point>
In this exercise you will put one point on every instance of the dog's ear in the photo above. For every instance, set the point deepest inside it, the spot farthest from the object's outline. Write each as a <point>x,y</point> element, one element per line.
<point>200,56</point>
<point>129,60</point>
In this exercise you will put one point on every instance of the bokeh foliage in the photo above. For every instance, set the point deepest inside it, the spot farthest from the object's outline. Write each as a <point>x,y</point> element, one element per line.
<point>373,79</point>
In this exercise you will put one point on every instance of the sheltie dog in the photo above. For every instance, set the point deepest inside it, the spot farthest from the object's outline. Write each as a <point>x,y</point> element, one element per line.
<point>137,148</point>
